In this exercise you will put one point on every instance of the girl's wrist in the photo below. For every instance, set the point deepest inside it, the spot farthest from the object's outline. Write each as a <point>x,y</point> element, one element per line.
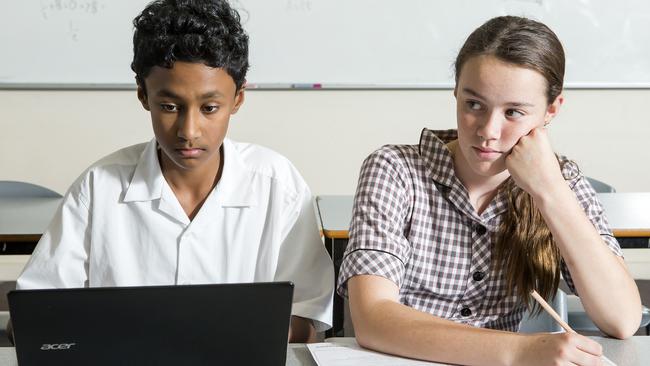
<point>557,193</point>
<point>519,348</point>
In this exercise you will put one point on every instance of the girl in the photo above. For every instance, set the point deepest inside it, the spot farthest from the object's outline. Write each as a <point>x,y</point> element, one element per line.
<point>449,237</point>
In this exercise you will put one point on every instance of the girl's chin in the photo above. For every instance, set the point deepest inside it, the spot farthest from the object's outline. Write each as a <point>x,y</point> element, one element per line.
<point>488,169</point>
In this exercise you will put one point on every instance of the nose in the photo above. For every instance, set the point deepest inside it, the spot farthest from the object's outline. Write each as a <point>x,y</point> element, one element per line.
<point>189,125</point>
<point>490,128</point>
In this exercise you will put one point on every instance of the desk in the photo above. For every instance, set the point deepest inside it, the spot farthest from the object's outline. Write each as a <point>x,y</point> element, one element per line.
<point>22,222</point>
<point>631,352</point>
<point>297,355</point>
<point>628,215</point>
<point>24,219</point>
<point>335,213</point>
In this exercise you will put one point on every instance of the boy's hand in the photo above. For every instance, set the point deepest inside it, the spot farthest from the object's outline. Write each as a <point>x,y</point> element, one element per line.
<point>301,330</point>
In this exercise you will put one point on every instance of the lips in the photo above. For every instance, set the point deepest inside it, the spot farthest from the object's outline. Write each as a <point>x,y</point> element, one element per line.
<point>486,153</point>
<point>190,152</point>
<point>486,150</point>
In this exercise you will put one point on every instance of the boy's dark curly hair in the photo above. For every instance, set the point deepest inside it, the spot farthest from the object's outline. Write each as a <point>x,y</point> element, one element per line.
<point>205,31</point>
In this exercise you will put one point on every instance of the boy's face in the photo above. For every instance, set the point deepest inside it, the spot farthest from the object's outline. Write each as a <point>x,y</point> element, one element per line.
<point>190,107</point>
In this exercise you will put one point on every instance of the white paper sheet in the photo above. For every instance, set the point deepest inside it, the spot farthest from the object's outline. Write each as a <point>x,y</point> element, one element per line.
<point>346,352</point>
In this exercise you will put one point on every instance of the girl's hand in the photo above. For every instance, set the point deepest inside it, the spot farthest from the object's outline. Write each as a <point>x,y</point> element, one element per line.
<point>533,165</point>
<point>557,349</point>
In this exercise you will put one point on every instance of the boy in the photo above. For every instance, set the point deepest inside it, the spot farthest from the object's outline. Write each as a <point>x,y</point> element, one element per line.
<point>190,206</point>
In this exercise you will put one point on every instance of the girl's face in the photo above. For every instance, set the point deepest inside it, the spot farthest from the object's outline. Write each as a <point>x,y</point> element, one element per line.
<point>496,104</point>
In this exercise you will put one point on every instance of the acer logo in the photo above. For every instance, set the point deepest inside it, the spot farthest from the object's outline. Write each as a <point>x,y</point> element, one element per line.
<point>56,346</point>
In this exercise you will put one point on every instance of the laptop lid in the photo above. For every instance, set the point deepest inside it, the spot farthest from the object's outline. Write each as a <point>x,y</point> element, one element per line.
<point>223,324</point>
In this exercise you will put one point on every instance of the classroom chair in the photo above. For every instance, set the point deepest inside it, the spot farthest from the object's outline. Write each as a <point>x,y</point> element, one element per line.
<point>600,187</point>
<point>543,322</point>
<point>10,188</point>
<point>4,337</point>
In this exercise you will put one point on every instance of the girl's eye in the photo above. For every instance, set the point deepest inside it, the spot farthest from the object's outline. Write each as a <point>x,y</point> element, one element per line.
<point>514,113</point>
<point>168,107</point>
<point>473,105</point>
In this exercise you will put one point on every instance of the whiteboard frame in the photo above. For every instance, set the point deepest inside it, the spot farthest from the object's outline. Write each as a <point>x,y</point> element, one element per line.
<point>289,86</point>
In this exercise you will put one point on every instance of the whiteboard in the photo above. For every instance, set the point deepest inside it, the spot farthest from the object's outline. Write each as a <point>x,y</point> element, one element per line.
<point>330,43</point>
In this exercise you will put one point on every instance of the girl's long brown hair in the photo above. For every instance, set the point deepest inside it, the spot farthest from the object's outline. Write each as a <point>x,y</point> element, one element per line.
<point>524,248</point>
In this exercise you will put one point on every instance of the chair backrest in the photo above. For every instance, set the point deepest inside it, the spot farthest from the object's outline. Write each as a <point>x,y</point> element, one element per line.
<point>544,322</point>
<point>600,187</point>
<point>10,188</point>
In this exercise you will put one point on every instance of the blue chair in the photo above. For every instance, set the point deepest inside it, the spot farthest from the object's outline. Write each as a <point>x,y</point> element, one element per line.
<point>543,322</point>
<point>10,188</point>
<point>599,186</point>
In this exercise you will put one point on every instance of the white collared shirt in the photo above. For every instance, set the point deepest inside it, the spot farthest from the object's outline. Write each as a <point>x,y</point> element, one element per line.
<point>120,224</point>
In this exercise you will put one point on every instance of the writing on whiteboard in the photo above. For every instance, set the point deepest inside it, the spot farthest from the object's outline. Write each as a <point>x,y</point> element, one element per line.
<point>51,7</point>
<point>69,12</point>
<point>538,2</point>
<point>299,5</point>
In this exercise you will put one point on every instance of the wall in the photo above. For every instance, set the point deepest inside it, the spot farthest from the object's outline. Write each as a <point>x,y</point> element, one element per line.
<point>49,137</point>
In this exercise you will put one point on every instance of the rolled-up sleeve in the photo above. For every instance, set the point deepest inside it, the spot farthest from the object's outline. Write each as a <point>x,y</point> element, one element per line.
<point>378,244</point>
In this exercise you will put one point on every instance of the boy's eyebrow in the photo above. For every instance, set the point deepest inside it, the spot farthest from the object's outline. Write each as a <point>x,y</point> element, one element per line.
<point>170,94</point>
<point>167,93</point>
<point>211,94</point>
<point>514,104</point>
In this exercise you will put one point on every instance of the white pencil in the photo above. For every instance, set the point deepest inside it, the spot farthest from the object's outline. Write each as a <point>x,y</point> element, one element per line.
<point>562,323</point>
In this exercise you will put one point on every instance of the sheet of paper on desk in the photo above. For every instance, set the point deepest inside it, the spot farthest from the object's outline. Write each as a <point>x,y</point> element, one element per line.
<point>349,353</point>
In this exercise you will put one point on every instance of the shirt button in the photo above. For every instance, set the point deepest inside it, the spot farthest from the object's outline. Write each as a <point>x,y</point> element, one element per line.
<point>465,312</point>
<point>481,230</point>
<point>478,276</point>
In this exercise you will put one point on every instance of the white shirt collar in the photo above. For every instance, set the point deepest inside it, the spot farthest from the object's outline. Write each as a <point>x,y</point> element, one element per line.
<point>234,189</point>
<point>147,181</point>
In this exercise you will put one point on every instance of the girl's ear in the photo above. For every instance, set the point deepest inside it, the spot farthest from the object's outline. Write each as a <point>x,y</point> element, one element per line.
<point>553,109</point>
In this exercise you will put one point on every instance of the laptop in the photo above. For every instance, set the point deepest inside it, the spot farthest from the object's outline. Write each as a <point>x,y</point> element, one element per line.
<point>223,324</point>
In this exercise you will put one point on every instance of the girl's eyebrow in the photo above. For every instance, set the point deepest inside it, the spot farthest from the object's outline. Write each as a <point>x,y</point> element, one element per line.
<point>520,104</point>
<point>473,93</point>
<point>512,104</point>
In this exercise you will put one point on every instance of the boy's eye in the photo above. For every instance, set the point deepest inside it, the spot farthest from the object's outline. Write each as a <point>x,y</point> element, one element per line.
<point>210,108</point>
<point>514,113</point>
<point>166,107</point>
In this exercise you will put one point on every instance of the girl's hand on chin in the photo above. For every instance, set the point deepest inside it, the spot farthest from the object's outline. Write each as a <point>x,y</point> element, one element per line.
<point>533,164</point>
